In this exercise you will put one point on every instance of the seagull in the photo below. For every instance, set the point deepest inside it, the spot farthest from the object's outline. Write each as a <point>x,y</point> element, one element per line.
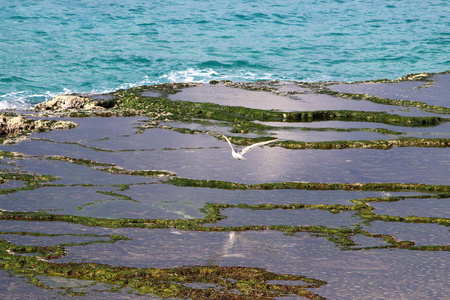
<point>239,155</point>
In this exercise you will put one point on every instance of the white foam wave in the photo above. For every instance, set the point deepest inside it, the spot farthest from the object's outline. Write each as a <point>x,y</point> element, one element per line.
<point>24,100</point>
<point>208,74</point>
<point>27,100</point>
<point>146,80</point>
<point>190,75</point>
<point>15,100</point>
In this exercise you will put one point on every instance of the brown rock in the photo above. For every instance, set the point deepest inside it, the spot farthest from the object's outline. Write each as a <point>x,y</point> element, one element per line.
<point>11,125</point>
<point>64,102</point>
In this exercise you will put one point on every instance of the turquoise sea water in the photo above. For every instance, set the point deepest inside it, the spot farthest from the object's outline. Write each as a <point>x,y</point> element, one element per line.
<point>50,47</point>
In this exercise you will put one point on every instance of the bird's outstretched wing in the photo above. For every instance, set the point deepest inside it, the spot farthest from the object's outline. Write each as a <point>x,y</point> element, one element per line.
<point>229,143</point>
<point>248,148</point>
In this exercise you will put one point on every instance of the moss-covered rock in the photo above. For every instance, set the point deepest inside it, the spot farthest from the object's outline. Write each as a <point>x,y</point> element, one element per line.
<point>13,125</point>
<point>64,102</point>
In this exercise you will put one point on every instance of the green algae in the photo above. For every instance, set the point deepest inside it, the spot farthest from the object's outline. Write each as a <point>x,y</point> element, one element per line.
<point>247,127</point>
<point>28,178</point>
<point>386,101</point>
<point>368,214</point>
<point>74,143</point>
<point>361,116</point>
<point>411,77</point>
<point>249,283</point>
<point>32,181</point>
<point>335,208</point>
<point>426,78</point>
<point>80,161</point>
<point>180,181</point>
<point>111,168</point>
<point>377,130</point>
<point>8,154</point>
<point>111,194</point>
<point>151,173</point>
<point>242,121</point>
<point>164,109</point>
<point>368,144</point>
<point>213,214</point>
<point>57,251</point>
<point>169,282</point>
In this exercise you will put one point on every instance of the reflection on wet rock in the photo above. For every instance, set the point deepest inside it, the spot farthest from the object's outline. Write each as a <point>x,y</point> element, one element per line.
<point>350,203</point>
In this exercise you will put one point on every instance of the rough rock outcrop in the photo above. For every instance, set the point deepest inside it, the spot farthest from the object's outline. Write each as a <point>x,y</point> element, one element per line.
<point>11,125</point>
<point>64,102</point>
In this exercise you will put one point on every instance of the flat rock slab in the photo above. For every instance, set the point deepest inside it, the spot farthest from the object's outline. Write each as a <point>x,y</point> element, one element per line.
<point>156,190</point>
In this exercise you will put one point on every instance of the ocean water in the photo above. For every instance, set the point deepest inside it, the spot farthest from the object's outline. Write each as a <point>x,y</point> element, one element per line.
<point>50,47</point>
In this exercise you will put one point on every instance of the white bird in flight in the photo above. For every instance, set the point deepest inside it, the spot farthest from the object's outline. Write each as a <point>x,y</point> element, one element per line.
<point>239,155</point>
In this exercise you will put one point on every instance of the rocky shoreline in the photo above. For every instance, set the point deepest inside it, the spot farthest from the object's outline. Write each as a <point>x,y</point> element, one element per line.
<point>141,183</point>
<point>159,103</point>
<point>12,125</point>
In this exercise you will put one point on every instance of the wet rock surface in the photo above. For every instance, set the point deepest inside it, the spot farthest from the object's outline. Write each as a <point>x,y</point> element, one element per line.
<point>143,198</point>
<point>14,125</point>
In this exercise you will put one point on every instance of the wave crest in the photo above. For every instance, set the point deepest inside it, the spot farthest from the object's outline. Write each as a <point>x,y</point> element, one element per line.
<point>208,74</point>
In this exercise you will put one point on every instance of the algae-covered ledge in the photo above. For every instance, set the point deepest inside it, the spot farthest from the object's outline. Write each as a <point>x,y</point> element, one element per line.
<point>186,119</point>
<point>15,127</point>
<point>155,102</point>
